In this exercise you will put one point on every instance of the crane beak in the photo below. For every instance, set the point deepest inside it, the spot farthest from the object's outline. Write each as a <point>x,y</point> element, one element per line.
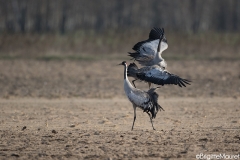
<point>122,63</point>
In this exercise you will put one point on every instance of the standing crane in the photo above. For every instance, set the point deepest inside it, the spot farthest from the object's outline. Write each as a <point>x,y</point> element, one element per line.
<point>147,101</point>
<point>149,52</point>
<point>155,74</point>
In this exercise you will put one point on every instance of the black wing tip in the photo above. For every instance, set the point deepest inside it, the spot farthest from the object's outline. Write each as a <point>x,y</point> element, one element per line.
<point>186,81</point>
<point>134,54</point>
<point>183,82</point>
<point>174,79</point>
<point>156,33</point>
<point>133,65</point>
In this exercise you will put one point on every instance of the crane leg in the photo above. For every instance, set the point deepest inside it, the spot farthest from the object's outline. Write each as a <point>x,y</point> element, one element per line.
<point>151,120</point>
<point>149,85</point>
<point>133,82</point>
<point>134,118</point>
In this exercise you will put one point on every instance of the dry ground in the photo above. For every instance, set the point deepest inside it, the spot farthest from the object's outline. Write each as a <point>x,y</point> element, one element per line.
<point>77,109</point>
<point>104,78</point>
<point>100,128</point>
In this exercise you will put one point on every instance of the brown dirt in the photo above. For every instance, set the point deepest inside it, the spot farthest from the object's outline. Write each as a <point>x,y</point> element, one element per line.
<point>104,79</point>
<point>78,110</point>
<point>100,128</point>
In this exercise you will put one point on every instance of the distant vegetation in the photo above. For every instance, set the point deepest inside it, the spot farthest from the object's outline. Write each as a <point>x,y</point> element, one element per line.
<point>92,30</point>
<point>90,45</point>
<point>70,15</point>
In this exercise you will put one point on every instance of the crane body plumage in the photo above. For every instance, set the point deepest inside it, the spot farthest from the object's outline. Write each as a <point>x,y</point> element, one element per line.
<point>147,101</point>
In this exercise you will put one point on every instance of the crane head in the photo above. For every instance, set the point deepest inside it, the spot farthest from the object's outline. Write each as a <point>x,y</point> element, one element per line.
<point>123,63</point>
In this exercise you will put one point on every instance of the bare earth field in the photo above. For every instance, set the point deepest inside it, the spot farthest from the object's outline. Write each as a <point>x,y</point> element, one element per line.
<point>71,109</point>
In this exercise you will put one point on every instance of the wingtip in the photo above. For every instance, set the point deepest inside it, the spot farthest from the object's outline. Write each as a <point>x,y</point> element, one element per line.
<point>186,81</point>
<point>155,33</point>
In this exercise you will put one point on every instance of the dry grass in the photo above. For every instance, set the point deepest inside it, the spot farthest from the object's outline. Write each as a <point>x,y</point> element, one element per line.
<point>84,45</point>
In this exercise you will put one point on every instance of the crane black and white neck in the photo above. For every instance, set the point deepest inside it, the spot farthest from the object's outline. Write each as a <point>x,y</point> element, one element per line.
<point>149,52</point>
<point>155,74</point>
<point>147,101</point>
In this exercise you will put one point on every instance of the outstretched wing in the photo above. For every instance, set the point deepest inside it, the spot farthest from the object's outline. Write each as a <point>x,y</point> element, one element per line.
<point>159,76</point>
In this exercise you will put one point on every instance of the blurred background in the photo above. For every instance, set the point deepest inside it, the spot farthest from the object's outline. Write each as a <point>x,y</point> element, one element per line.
<point>49,27</point>
<point>88,31</point>
<point>42,16</point>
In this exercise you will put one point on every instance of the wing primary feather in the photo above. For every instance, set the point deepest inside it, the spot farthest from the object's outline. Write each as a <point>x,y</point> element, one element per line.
<point>155,33</point>
<point>182,83</point>
<point>179,81</point>
<point>179,84</point>
<point>186,81</point>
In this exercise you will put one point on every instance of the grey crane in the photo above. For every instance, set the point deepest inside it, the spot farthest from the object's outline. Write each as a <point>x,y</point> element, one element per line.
<point>155,74</point>
<point>147,101</point>
<point>149,52</point>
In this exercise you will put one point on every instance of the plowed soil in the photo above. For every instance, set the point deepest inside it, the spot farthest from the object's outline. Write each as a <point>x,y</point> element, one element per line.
<point>71,109</point>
